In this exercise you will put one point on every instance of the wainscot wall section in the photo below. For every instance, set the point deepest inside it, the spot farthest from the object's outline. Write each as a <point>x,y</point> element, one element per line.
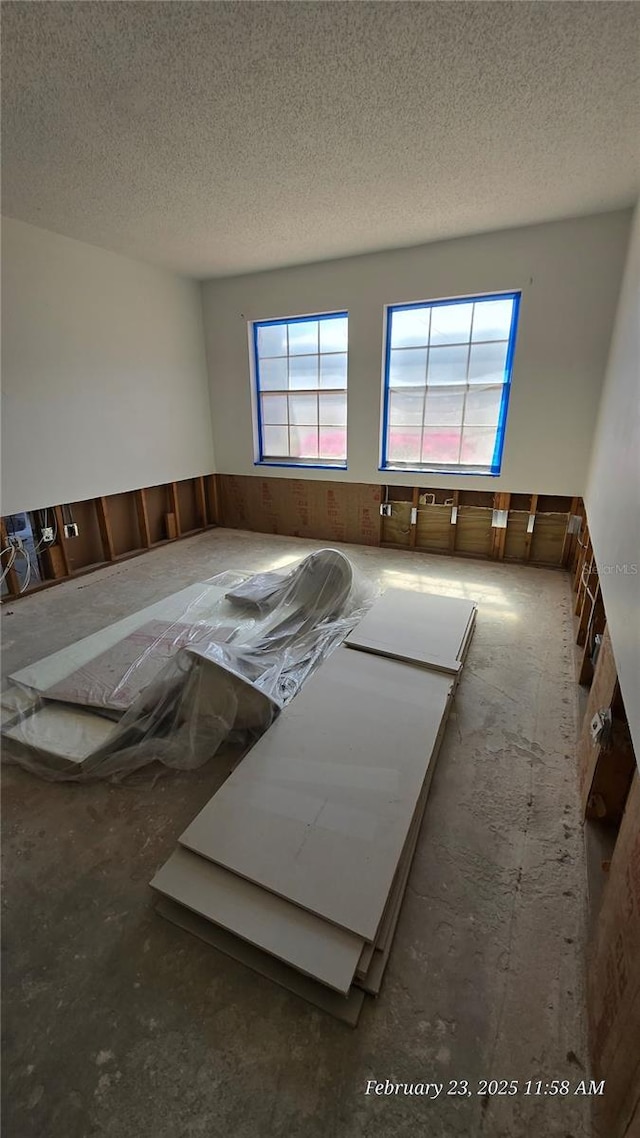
<point>539,529</point>
<point>109,529</point>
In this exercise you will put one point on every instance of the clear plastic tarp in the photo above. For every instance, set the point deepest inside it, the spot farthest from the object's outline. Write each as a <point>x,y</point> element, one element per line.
<point>215,662</point>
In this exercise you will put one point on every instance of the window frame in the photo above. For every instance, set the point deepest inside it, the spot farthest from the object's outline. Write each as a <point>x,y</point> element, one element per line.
<point>296,463</point>
<point>498,451</point>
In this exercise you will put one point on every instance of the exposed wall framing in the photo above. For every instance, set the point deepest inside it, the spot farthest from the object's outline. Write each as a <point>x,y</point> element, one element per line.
<point>589,606</point>
<point>331,511</point>
<point>111,529</point>
<point>613,984</point>
<point>610,799</point>
<point>465,523</point>
<point>468,523</point>
<point>476,523</point>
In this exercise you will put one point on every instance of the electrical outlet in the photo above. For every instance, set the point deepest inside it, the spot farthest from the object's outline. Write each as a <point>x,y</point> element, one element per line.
<point>385,510</point>
<point>70,529</point>
<point>47,534</point>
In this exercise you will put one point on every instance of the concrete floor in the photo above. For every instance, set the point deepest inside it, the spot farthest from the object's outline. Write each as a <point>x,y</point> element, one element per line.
<point>119,1024</point>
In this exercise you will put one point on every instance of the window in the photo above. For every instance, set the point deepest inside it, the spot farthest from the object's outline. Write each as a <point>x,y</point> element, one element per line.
<point>301,378</point>
<point>447,378</point>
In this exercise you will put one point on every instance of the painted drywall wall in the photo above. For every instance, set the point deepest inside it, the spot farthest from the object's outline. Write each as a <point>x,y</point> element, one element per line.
<point>569,273</point>
<point>613,491</point>
<point>103,372</point>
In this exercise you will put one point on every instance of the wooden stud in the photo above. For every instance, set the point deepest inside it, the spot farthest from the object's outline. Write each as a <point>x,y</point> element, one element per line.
<point>499,536</point>
<point>413,528</point>
<point>585,576</point>
<point>104,525</point>
<point>589,597</point>
<point>201,501</point>
<point>583,546</point>
<point>143,518</point>
<point>61,540</point>
<point>575,546</point>
<point>453,531</point>
<point>569,538</point>
<point>216,516</point>
<point>595,627</point>
<point>174,506</point>
<point>529,534</point>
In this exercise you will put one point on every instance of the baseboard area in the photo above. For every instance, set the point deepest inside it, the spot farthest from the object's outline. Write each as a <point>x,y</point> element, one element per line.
<point>529,528</point>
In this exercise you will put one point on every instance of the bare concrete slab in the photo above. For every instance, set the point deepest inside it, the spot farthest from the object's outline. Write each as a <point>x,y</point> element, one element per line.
<point>118,1023</point>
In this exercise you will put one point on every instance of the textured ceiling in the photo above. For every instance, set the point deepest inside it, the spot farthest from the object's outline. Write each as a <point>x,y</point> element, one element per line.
<point>216,138</point>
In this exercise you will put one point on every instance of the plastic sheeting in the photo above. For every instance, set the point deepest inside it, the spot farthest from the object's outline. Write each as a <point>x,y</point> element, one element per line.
<point>173,683</point>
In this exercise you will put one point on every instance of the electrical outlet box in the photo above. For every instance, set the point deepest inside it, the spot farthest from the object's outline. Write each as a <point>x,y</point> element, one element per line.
<point>47,534</point>
<point>70,529</point>
<point>385,510</point>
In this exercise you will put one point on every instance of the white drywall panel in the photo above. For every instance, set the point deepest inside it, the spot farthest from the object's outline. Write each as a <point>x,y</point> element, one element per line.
<point>569,273</point>
<point>613,493</point>
<point>320,808</point>
<point>63,733</point>
<point>421,628</point>
<point>103,372</point>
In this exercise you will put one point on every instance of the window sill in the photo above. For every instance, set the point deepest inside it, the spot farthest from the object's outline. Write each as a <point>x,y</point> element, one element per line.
<point>476,472</point>
<point>303,465</point>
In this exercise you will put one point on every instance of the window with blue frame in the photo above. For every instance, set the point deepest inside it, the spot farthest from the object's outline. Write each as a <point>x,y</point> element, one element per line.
<point>447,378</point>
<point>301,380</point>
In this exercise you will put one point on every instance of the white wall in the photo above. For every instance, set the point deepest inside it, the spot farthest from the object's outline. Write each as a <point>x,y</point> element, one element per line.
<point>569,273</point>
<point>613,491</point>
<point>103,372</point>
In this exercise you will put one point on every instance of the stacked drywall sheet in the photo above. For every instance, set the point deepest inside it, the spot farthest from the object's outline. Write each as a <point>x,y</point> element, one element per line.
<point>81,672</point>
<point>179,676</point>
<point>438,639</point>
<point>298,864</point>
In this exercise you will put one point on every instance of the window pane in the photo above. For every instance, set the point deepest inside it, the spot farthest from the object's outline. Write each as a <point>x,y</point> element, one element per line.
<point>273,375</point>
<point>451,323</point>
<point>408,367</point>
<point>411,328</point>
<point>487,363</point>
<point>274,409</point>
<point>333,442</point>
<point>444,406</point>
<point>272,341</point>
<point>405,409</point>
<point>334,334</point>
<point>477,445</point>
<point>304,442</point>
<point>276,441</point>
<point>404,444</point>
<point>483,406</point>
<point>333,371</point>
<point>303,409</point>
<point>492,319</point>
<point>333,410</point>
<point>448,365</point>
<point>303,338</point>
<point>441,444</point>
<point>303,372</point>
